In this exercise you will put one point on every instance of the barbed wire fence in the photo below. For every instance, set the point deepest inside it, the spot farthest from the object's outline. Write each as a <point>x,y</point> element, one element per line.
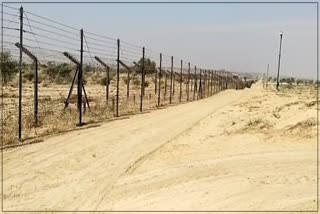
<point>83,76</point>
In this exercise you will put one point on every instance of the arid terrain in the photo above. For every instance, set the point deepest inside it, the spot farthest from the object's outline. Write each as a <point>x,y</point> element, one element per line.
<point>53,118</point>
<point>251,150</point>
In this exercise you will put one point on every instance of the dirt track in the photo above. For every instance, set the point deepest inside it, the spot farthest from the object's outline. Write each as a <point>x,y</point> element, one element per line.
<point>197,156</point>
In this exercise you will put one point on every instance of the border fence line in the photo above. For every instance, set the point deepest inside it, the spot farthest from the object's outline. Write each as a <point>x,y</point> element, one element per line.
<point>37,48</point>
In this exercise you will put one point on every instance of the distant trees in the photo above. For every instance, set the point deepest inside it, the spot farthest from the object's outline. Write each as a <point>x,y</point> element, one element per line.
<point>60,72</point>
<point>289,80</point>
<point>149,66</point>
<point>299,81</point>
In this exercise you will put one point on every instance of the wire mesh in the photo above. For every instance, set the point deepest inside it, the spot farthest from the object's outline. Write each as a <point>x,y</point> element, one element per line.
<point>57,48</point>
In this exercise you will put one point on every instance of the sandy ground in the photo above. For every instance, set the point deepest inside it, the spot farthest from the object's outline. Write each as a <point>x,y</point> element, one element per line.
<point>244,150</point>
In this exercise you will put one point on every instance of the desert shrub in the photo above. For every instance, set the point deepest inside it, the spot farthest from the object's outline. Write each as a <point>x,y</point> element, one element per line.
<point>254,122</point>
<point>299,81</point>
<point>60,72</point>
<point>290,86</point>
<point>29,75</point>
<point>125,80</point>
<point>103,80</point>
<point>146,83</point>
<point>112,74</point>
<point>88,68</point>
<point>283,80</point>
<point>10,67</point>
<point>136,81</point>
<point>149,66</point>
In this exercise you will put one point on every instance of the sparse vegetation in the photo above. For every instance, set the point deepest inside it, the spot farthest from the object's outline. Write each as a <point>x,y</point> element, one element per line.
<point>54,82</point>
<point>9,66</point>
<point>149,66</point>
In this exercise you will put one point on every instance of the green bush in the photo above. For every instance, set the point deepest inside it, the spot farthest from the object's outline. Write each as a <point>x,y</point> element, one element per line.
<point>60,72</point>
<point>149,66</point>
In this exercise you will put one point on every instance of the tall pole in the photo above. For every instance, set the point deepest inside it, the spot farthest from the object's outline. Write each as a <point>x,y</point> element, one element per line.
<point>80,79</point>
<point>281,34</point>
<point>267,76</point>
<point>20,73</point>
<point>159,93</point>
<point>36,92</point>
<point>142,80</point>
<point>118,77</point>
<point>170,98</point>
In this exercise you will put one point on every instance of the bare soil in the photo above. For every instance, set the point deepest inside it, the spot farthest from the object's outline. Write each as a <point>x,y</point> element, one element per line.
<point>251,149</point>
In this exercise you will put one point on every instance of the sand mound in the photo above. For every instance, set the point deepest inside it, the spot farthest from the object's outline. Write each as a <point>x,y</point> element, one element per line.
<point>305,124</point>
<point>312,103</point>
<point>260,123</point>
<point>302,128</point>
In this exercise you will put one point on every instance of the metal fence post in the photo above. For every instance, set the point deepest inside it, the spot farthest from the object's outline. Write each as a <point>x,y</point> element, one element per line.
<point>226,79</point>
<point>112,106</point>
<point>170,98</point>
<point>200,85</point>
<point>128,85</point>
<point>118,77</point>
<point>220,81</point>
<point>210,81</point>
<point>188,81</point>
<point>173,84</point>
<point>180,83</point>
<point>195,83</point>
<point>204,82</point>
<point>142,80</point>
<point>223,80</point>
<point>80,79</point>
<point>165,85</point>
<point>216,81</point>
<point>159,87</point>
<point>267,76</point>
<point>35,95</point>
<point>107,85</point>
<point>20,76</point>
<point>155,81</point>
<point>36,92</point>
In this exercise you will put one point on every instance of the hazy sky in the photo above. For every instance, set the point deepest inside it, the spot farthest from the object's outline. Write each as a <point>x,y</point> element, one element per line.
<point>237,37</point>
